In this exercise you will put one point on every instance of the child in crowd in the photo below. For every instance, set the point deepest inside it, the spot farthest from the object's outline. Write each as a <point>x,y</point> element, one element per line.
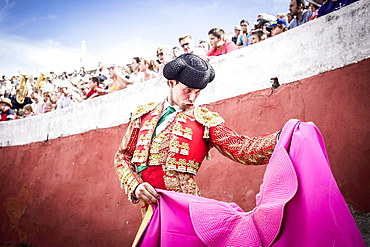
<point>28,110</point>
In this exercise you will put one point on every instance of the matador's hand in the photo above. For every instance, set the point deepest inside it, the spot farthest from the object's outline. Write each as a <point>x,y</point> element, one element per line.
<point>146,193</point>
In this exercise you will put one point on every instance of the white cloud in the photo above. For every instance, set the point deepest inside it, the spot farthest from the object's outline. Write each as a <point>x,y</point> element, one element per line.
<point>29,57</point>
<point>18,54</point>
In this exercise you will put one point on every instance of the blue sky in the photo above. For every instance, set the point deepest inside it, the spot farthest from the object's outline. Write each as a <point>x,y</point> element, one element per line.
<point>40,35</point>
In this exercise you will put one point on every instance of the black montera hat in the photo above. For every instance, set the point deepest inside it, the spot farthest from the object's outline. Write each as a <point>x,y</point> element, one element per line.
<point>190,70</point>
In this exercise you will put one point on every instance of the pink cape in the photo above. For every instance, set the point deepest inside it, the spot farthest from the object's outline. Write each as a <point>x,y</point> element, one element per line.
<point>299,204</point>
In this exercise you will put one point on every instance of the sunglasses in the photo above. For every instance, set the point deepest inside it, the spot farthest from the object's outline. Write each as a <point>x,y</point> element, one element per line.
<point>185,44</point>
<point>160,54</point>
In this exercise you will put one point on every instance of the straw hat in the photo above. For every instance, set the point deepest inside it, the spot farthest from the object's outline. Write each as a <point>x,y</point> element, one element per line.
<point>6,101</point>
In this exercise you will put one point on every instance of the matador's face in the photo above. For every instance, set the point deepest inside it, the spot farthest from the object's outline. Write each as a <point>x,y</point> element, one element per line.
<point>182,95</point>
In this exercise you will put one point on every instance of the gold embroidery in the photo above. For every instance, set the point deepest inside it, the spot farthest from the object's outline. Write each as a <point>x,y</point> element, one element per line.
<point>154,148</point>
<point>243,149</point>
<point>184,132</point>
<point>181,117</point>
<point>178,148</point>
<point>143,109</point>
<point>140,156</point>
<point>171,163</point>
<point>136,123</point>
<point>193,167</point>
<point>157,111</point>
<point>144,139</point>
<point>206,117</point>
<point>150,124</point>
<point>154,159</point>
<point>181,182</point>
<point>182,165</point>
<point>159,148</point>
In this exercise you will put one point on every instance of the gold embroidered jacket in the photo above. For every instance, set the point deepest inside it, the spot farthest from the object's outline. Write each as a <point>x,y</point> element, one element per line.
<point>176,153</point>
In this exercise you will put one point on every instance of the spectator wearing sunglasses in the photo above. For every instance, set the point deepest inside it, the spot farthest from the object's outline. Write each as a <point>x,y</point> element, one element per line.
<point>187,44</point>
<point>244,35</point>
<point>164,55</point>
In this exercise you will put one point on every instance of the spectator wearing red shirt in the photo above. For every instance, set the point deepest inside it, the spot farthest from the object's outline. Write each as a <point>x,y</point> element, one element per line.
<point>219,45</point>
<point>7,113</point>
<point>94,88</point>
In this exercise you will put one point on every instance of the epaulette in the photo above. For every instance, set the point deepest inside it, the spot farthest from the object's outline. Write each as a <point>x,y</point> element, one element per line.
<point>207,118</point>
<point>143,109</point>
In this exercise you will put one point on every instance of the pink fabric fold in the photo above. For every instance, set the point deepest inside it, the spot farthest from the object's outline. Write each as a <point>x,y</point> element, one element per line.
<point>299,204</point>
<point>318,214</point>
<point>170,224</point>
<point>225,224</point>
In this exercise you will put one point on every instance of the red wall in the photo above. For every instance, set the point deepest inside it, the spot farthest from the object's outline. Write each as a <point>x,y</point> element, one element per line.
<point>65,192</point>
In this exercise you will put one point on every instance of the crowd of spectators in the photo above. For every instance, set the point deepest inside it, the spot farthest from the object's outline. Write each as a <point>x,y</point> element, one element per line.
<point>25,96</point>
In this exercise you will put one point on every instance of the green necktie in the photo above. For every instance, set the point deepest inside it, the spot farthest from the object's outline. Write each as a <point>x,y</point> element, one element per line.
<point>169,110</point>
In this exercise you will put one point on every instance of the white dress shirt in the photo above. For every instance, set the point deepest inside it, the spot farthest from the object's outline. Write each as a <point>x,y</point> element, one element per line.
<point>169,118</point>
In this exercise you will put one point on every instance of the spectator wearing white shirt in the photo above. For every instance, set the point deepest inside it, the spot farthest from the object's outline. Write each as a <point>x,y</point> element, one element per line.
<point>65,99</point>
<point>38,103</point>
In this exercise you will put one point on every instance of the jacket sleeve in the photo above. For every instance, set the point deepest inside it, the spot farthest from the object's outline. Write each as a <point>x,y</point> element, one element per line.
<point>126,171</point>
<point>243,149</point>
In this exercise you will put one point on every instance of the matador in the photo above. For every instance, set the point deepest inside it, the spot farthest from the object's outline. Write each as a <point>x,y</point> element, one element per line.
<point>166,142</point>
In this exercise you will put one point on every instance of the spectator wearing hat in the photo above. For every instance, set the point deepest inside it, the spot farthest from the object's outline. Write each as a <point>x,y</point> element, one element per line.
<point>218,43</point>
<point>314,6</point>
<point>166,142</point>
<point>283,16</point>
<point>278,27</point>
<point>7,113</point>
<point>301,15</point>
<point>332,5</point>
<point>244,35</point>
<point>237,30</point>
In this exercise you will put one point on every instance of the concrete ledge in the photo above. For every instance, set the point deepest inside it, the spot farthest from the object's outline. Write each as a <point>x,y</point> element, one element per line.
<point>333,41</point>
